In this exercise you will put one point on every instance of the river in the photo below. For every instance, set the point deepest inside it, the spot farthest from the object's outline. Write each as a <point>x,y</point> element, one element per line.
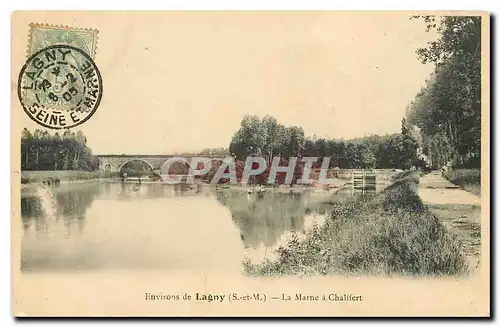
<point>98,225</point>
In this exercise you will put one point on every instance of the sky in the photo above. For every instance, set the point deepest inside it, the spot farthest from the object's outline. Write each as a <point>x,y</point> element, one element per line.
<point>176,82</point>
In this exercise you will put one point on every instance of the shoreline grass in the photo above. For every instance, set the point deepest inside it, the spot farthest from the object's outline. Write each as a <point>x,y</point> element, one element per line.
<point>391,233</point>
<point>56,176</point>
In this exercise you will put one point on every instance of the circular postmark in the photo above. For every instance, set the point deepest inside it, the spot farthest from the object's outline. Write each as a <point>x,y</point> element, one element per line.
<point>60,87</point>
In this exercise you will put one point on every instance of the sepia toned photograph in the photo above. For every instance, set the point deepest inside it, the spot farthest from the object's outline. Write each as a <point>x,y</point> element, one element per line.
<point>250,163</point>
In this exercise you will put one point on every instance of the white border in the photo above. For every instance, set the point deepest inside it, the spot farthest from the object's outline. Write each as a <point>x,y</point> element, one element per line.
<point>250,5</point>
<point>8,6</point>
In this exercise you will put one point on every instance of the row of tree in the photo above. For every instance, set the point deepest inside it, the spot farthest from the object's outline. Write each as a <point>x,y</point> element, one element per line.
<point>448,108</point>
<point>266,137</point>
<point>220,151</point>
<point>43,151</point>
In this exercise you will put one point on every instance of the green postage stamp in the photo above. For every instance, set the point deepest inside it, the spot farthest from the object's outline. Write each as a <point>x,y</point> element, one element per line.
<point>43,36</point>
<point>60,86</point>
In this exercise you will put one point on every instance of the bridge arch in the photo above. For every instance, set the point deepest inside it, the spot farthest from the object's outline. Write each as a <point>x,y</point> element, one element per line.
<point>135,159</point>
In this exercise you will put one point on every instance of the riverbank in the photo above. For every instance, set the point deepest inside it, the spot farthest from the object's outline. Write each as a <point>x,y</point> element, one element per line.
<point>391,233</point>
<point>58,176</point>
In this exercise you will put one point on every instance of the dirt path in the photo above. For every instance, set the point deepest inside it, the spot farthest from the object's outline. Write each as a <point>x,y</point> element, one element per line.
<point>458,210</point>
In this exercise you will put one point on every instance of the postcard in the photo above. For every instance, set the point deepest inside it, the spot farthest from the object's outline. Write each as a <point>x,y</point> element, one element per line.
<point>250,164</point>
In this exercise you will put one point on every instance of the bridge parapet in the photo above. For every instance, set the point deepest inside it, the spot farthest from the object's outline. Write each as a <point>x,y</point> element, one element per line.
<point>113,163</point>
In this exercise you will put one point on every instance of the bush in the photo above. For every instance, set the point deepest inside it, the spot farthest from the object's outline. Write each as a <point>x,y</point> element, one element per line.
<point>464,176</point>
<point>468,179</point>
<point>392,233</point>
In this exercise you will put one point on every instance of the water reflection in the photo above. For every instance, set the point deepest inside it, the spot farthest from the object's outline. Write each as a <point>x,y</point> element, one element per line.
<point>264,217</point>
<point>169,228</point>
<point>267,219</point>
<point>44,206</point>
<point>101,225</point>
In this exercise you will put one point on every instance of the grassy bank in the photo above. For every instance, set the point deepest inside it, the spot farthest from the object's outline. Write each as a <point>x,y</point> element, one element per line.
<point>468,179</point>
<point>391,233</point>
<point>55,176</point>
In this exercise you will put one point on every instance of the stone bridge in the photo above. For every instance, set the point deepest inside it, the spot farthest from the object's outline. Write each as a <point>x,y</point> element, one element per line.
<point>114,162</point>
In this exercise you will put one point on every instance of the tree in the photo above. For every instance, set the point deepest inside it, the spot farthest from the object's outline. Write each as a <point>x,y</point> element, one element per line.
<point>26,134</point>
<point>448,108</point>
<point>408,148</point>
<point>266,137</point>
<point>365,156</point>
<point>273,137</point>
<point>67,134</point>
<point>80,138</point>
<point>250,138</point>
<point>388,151</point>
<point>294,140</point>
<point>43,151</point>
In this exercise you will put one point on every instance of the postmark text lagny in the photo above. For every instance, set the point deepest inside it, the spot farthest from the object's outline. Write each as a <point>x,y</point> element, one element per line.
<point>60,87</point>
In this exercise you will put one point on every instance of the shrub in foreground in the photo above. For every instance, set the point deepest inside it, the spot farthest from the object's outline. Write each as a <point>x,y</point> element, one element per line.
<point>392,233</point>
<point>468,179</point>
<point>464,176</point>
